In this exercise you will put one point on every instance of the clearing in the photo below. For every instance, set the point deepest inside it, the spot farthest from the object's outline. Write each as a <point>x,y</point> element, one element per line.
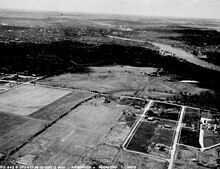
<point>26,99</point>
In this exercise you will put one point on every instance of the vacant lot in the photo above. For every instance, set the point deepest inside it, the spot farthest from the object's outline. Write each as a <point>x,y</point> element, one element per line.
<point>26,99</point>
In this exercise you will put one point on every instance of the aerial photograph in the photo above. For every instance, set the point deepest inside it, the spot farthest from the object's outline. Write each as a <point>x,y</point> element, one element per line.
<point>109,84</point>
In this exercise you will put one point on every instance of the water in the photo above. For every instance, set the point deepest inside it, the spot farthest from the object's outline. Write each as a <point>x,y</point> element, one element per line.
<point>187,56</point>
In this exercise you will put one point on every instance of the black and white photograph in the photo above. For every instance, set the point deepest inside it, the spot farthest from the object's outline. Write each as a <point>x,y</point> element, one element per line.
<point>109,84</point>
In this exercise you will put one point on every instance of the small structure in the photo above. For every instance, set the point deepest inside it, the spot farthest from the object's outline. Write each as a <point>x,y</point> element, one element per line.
<point>161,147</point>
<point>150,119</point>
<point>167,126</point>
<point>137,107</point>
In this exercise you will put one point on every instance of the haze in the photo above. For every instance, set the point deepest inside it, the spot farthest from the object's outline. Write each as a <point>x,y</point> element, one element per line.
<point>176,8</point>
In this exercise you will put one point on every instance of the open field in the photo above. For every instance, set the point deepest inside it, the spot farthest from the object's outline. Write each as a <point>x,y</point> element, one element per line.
<point>26,99</point>
<point>73,136</point>
<point>8,122</point>
<point>111,79</point>
<point>16,136</point>
<point>122,80</point>
<point>61,106</point>
<point>16,129</point>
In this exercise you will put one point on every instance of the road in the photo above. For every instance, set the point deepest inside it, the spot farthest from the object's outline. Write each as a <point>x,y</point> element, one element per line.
<point>173,151</point>
<point>201,135</point>
<point>137,124</point>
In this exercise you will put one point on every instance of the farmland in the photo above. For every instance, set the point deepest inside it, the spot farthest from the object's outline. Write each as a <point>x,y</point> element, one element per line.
<point>26,99</point>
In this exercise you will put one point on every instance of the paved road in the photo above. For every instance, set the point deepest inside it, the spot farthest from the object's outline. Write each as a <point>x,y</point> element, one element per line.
<point>173,151</point>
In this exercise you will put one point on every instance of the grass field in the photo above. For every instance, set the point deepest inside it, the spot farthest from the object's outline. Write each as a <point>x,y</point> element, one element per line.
<point>8,122</point>
<point>121,80</point>
<point>73,136</point>
<point>17,129</point>
<point>142,138</point>
<point>19,135</point>
<point>26,99</point>
<point>61,106</point>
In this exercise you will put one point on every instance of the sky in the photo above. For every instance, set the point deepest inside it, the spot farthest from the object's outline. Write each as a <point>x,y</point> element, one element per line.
<point>176,8</point>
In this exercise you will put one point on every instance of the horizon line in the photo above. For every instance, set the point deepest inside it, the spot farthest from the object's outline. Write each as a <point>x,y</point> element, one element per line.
<point>100,13</point>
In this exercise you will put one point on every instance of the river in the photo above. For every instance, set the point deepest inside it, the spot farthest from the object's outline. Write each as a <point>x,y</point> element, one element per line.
<point>187,56</point>
<point>178,52</point>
